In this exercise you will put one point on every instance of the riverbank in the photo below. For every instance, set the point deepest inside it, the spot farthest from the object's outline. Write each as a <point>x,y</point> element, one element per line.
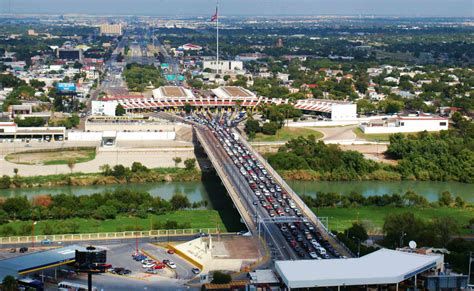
<point>311,175</point>
<point>88,179</point>
<point>372,217</point>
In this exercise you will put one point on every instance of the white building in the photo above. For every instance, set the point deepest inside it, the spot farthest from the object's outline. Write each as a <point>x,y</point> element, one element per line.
<point>224,66</point>
<point>107,108</point>
<point>111,29</point>
<point>333,109</point>
<point>382,267</point>
<point>405,124</point>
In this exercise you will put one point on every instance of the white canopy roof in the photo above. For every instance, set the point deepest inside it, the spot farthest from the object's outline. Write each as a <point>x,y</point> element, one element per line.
<point>381,267</point>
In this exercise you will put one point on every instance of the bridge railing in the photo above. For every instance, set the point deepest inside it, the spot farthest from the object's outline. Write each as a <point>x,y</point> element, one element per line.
<point>107,235</point>
<point>305,209</point>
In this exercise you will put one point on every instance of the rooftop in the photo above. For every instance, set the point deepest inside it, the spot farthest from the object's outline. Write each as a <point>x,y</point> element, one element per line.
<point>381,267</point>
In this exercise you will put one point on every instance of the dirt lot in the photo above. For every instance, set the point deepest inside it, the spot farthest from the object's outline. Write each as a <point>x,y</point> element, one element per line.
<point>242,247</point>
<point>53,157</point>
<point>173,92</point>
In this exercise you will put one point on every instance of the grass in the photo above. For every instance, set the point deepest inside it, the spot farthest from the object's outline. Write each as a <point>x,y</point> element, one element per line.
<point>196,218</point>
<point>52,157</point>
<point>372,216</point>
<point>372,137</point>
<point>286,133</point>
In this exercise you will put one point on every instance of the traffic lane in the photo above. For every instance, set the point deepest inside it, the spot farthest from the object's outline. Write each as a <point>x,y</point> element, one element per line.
<point>239,180</point>
<point>183,267</point>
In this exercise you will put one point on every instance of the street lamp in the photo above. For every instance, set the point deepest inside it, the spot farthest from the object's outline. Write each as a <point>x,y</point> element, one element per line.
<point>401,238</point>
<point>358,247</point>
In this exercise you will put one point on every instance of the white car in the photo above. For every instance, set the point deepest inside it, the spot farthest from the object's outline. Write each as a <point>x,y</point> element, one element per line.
<point>148,265</point>
<point>171,265</point>
<point>313,255</point>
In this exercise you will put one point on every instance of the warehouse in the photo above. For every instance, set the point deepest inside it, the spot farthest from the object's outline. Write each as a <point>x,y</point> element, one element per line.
<point>383,267</point>
<point>405,124</point>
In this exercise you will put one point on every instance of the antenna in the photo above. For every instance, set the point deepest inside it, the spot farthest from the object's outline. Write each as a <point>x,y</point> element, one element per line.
<point>412,244</point>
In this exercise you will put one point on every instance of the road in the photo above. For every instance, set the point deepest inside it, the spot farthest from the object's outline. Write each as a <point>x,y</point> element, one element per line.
<point>283,250</point>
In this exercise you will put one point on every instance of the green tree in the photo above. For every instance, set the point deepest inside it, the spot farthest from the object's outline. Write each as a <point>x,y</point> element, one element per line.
<point>403,226</point>
<point>9,283</point>
<point>5,182</point>
<point>270,128</point>
<point>445,199</point>
<point>221,278</point>
<point>358,231</point>
<point>176,161</point>
<point>179,201</point>
<point>190,164</point>
<point>105,212</point>
<point>119,110</point>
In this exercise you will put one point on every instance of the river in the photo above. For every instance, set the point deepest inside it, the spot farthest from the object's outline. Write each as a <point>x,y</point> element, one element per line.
<point>199,191</point>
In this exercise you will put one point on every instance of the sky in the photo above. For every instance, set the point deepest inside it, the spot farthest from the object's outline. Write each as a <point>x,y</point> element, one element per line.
<point>411,8</point>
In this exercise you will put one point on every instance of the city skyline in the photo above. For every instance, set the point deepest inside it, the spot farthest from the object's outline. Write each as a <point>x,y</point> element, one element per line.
<point>418,8</point>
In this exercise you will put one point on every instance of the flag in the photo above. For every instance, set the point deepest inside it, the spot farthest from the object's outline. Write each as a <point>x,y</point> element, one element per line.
<point>215,16</point>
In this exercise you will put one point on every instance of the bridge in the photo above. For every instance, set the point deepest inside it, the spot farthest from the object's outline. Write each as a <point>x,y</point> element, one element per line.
<point>255,217</point>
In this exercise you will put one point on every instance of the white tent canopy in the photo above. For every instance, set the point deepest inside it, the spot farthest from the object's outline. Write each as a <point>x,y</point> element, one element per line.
<point>381,267</point>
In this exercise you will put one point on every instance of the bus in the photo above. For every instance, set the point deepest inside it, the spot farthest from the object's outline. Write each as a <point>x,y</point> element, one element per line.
<point>68,286</point>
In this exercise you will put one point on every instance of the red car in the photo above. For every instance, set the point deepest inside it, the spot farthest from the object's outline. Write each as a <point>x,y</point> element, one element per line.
<point>159,266</point>
<point>170,251</point>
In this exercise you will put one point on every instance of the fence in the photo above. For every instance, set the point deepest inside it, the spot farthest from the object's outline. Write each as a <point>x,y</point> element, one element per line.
<point>107,235</point>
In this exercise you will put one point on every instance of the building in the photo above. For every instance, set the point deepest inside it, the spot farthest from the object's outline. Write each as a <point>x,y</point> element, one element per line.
<point>224,67</point>
<point>331,109</point>
<point>69,54</point>
<point>174,97</point>
<point>29,264</point>
<point>9,130</point>
<point>111,29</point>
<point>405,124</point>
<point>191,47</point>
<point>381,268</point>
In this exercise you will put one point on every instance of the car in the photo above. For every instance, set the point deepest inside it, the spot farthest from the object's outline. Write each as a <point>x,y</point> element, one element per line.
<point>165,261</point>
<point>313,255</point>
<point>46,242</point>
<point>196,271</point>
<point>159,266</point>
<point>148,265</point>
<point>151,271</point>
<point>170,251</point>
<point>171,265</point>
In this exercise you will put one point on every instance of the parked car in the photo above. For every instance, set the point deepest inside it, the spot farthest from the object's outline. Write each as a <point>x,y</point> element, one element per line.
<point>196,271</point>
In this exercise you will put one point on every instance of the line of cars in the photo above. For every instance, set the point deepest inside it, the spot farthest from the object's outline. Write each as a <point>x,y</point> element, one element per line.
<point>302,235</point>
<point>152,266</point>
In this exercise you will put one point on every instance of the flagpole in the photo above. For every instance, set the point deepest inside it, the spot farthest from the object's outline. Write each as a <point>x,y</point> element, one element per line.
<point>217,32</point>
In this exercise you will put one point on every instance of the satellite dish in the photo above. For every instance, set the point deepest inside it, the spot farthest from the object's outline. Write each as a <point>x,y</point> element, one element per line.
<point>412,244</point>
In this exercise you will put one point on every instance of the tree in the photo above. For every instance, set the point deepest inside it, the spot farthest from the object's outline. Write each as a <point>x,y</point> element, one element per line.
<point>106,170</point>
<point>270,128</point>
<point>445,199</point>
<point>221,278</point>
<point>188,107</point>
<point>176,161</point>
<point>15,171</point>
<point>9,283</point>
<point>445,228</point>
<point>404,226</point>
<point>190,164</point>
<point>252,126</point>
<point>5,182</point>
<point>119,110</point>
<point>105,212</point>
<point>179,201</point>
<point>358,231</point>
<point>71,162</point>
